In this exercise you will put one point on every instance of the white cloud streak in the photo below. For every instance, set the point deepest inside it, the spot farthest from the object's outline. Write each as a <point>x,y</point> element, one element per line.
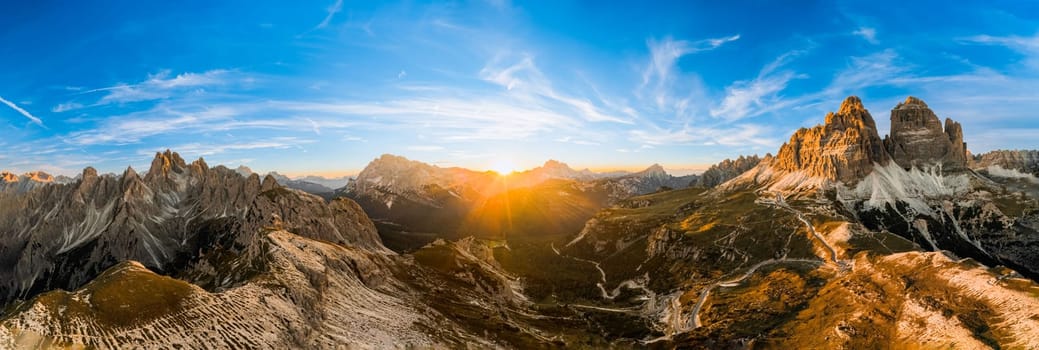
<point>160,86</point>
<point>21,111</point>
<point>525,82</point>
<point>332,11</point>
<point>664,55</point>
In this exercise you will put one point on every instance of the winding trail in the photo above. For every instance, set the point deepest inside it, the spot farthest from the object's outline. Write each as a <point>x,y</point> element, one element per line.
<point>609,295</point>
<point>780,202</point>
<point>736,281</point>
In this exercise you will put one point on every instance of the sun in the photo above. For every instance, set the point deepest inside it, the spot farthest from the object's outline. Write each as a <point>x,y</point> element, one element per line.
<point>503,166</point>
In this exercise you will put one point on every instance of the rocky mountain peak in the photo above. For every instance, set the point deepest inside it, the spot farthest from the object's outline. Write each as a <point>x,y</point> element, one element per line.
<point>844,148</point>
<point>199,166</point>
<point>166,162</point>
<point>8,177</point>
<point>654,170</point>
<point>130,175</point>
<point>89,174</point>
<point>852,105</point>
<point>851,114</point>
<point>912,103</point>
<point>918,138</point>
<point>244,170</point>
<point>726,170</point>
<point>269,183</point>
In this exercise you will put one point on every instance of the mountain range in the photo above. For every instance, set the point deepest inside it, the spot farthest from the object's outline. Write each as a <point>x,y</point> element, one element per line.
<point>842,239</point>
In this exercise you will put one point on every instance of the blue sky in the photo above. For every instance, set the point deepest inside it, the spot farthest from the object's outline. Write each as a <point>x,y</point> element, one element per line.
<point>325,86</point>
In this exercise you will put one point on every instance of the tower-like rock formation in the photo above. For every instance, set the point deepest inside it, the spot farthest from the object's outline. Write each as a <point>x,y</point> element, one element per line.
<point>917,138</point>
<point>843,149</point>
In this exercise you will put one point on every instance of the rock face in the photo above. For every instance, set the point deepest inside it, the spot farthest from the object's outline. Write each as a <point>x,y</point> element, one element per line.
<point>843,149</point>
<point>917,138</point>
<point>847,146</point>
<point>1025,161</point>
<point>726,170</point>
<point>61,236</point>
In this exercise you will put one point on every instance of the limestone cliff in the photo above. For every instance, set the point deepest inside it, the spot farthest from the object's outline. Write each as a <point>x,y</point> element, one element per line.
<point>843,149</point>
<point>917,138</point>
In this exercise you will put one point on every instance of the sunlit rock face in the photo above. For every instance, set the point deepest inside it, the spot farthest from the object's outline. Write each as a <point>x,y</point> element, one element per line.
<point>843,149</point>
<point>12,183</point>
<point>917,138</point>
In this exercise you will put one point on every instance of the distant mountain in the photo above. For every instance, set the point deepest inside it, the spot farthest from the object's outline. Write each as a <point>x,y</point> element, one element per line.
<point>302,185</point>
<point>28,181</point>
<point>652,179</point>
<point>333,182</point>
<point>726,170</point>
<point>1006,163</point>
<point>553,169</point>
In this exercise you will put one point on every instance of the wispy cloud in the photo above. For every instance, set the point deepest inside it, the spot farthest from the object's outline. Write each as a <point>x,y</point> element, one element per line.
<point>751,98</point>
<point>664,55</point>
<point>729,135</point>
<point>1029,46</point>
<point>1020,43</point>
<point>570,139</point>
<point>332,11</point>
<point>21,111</point>
<point>876,69</point>
<point>208,149</point>
<point>867,33</point>
<point>183,117</point>
<point>64,107</point>
<point>159,86</point>
<point>526,82</point>
<point>758,96</point>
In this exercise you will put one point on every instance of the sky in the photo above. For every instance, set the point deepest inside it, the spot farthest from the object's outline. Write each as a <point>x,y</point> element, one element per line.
<point>324,87</point>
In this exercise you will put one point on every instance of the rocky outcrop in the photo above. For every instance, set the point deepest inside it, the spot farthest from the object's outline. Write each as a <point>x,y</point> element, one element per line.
<point>918,140</point>
<point>725,171</point>
<point>1024,161</point>
<point>843,149</point>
